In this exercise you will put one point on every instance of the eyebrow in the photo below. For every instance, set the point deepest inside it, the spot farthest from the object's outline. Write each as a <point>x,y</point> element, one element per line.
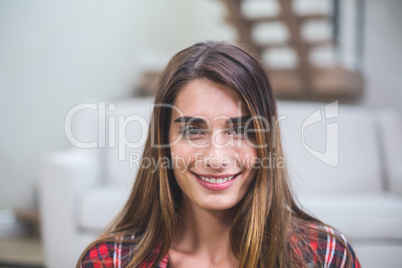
<point>197,120</point>
<point>186,119</point>
<point>236,120</point>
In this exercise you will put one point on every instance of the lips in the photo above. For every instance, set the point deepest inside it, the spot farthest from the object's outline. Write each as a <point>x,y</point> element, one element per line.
<point>216,182</point>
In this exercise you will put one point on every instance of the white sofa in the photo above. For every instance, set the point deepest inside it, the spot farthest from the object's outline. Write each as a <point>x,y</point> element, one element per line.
<point>345,169</point>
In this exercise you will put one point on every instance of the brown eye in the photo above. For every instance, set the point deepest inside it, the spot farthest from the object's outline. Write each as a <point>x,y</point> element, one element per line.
<point>193,131</point>
<point>239,131</point>
<point>190,131</point>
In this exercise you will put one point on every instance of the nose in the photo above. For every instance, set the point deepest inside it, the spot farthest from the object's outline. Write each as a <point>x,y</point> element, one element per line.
<point>217,153</point>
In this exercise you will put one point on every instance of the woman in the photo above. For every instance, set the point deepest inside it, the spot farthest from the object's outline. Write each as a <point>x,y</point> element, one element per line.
<point>216,203</point>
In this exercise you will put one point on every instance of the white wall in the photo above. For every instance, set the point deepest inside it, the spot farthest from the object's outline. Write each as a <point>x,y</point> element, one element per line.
<point>55,54</point>
<point>383,54</point>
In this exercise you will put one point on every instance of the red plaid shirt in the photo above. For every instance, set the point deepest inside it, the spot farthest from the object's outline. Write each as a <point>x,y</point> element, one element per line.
<point>324,251</point>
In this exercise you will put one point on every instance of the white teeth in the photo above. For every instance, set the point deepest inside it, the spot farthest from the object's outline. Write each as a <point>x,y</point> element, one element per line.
<point>216,180</point>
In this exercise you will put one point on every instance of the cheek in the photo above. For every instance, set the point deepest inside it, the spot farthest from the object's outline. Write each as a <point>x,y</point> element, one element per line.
<point>182,156</point>
<point>247,156</point>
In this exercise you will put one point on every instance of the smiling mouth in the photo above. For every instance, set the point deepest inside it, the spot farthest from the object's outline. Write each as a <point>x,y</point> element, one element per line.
<point>217,179</point>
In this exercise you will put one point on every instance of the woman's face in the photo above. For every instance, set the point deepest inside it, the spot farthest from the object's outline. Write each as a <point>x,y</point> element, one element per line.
<point>212,158</point>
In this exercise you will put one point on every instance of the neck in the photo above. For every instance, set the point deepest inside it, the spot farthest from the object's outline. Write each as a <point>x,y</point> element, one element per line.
<point>204,232</point>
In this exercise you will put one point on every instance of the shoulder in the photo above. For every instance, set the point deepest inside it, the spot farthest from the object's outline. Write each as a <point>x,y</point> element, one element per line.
<point>108,254</point>
<point>326,246</point>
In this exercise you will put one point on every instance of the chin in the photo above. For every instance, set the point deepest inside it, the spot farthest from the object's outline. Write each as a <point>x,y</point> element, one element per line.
<point>218,204</point>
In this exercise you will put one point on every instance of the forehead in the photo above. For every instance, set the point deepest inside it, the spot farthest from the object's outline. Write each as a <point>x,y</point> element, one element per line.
<point>209,99</point>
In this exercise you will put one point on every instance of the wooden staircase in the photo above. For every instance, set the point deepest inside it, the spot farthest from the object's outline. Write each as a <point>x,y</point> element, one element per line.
<point>304,81</point>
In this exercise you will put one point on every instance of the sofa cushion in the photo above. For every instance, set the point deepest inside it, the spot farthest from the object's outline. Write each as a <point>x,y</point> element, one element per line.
<point>376,216</point>
<point>338,152</point>
<point>98,206</point>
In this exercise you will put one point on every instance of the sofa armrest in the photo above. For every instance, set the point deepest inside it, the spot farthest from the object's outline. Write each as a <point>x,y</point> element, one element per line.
<point>62,177</point>
<point>395,181</point>
<point>390,140</point>
<point>81,168</point>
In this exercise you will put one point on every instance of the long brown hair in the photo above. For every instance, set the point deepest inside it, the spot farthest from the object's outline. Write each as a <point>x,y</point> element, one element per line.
<point>266,218</point>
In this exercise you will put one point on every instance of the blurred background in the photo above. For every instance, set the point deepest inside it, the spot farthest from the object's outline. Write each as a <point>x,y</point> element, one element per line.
<point>56,54</point>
